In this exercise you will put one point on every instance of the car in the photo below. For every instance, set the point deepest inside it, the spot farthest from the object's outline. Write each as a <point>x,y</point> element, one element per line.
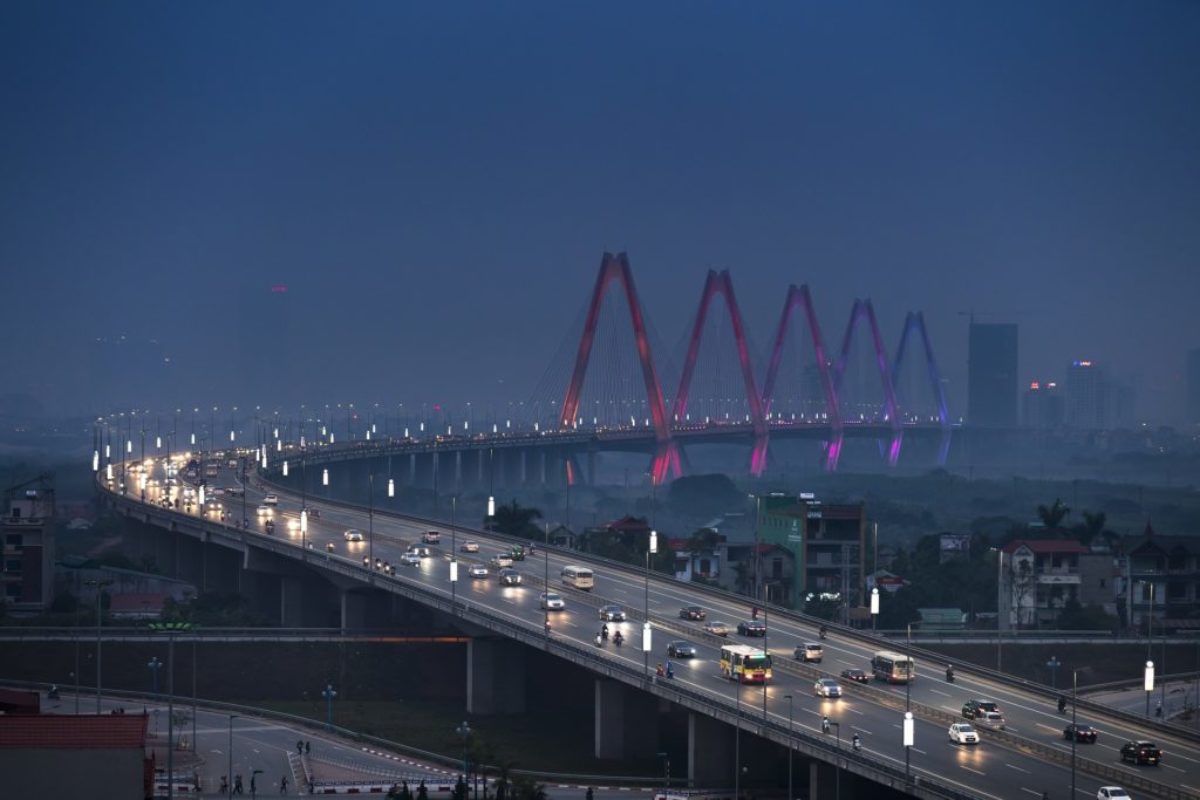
<point>612,614</point>
<point>411,559</point>
<point>681,649</point>
<point>270,500</point>
<point>501,560</point>
<point>1112,793</point>
<point>963,733</point>
<point>312,512</point>
<point>809,652</point>
<point>856,675</point>
<point>418,550</point>
<point>353,535</point>
<point>551,601</point>
<point>216,491</point>
<point>1081,733</point>
<point>716,628</point>
<point>469,547</point>
<point>974,709</point>
<point>263,510</point>
<point>752,627</point>
<point>827,687</point>
<point>293,525</point>
<point>991,719</point>
<point>478,571</point>
<point>509,577</point>
<point>517,553</point>
<point>1141,752</point>
<point>693,613</point>
<point>431,537</point>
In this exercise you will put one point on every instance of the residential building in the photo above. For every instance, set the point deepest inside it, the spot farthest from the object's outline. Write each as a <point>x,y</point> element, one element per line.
<point>1165,569</point>
<point>1038,578</point>
<point>1043,406</point>
<point>992,376</point>
<point>824,543</point>
<point>27,565</point>
<point>1087,396</point>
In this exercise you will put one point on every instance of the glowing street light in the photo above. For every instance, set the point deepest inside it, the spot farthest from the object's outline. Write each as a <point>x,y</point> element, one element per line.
<point>874,605</point>
<point>285,468</point>
<point>325,476</point>
<point>95,461</point>
<point>391,487</point>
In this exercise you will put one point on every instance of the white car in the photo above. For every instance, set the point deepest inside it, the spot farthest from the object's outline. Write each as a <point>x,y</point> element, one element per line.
<point>353,535</point>
<point>551,601</point>
<point>827,687</point>
<point>469,547</point>
<point>293,525</point>
<point>411,559</point>
<point>1112,793</point>
<point>264,511</point>
<point>270,500</point>
<point>501,561</point>
<point>991,719</point>
<point>418,550</point>
<point>963,733</point>
<point>478,571</point>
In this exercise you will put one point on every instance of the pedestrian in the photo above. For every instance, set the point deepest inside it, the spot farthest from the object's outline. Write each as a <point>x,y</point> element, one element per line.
<point>307,748</point>
<point>237,784</point>
<point>253,785</point>
<point>299,747</point>
<point>224,784</point>
<point>283,785</point>
<point>590,793</point>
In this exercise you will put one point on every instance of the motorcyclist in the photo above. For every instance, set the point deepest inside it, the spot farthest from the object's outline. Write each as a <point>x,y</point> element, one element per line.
<point>856,742</point>
<point>1062,705</point>
<point>604,631</point>
<point>618,638</point>
<point>950,673</point>
<point>670,671</point>
<point>660,670</point>
<point>822,631</point>
<point>825,724</point>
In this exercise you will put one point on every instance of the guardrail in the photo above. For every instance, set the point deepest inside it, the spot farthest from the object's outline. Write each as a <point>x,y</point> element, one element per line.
<point>588,657</point>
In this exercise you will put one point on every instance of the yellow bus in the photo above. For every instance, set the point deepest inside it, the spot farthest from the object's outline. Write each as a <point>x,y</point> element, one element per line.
<point>745,664</point>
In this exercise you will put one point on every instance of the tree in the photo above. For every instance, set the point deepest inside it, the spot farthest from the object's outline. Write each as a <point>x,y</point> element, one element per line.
<point>1074,617</point>
<point>516,520</point>
<point>704,495</point>
<point>1093,526</point>
<point>1052,517</point>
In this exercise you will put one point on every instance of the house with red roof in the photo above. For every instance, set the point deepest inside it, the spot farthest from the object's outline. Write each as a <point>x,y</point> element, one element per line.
<point>1039,577</point>
<point>88,755</point>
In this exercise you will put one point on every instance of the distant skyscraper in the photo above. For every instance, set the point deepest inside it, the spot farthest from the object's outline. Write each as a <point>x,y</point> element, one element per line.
<point>1192,409</point>
<point>992,376</point>
<point>1087,395</point>
<point>1042,406</point>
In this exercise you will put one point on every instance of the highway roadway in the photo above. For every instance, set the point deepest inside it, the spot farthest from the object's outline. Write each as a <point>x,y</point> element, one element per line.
<point>988,769</point>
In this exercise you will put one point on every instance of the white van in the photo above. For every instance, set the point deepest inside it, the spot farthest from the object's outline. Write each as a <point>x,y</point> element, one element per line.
<point>578,577</point>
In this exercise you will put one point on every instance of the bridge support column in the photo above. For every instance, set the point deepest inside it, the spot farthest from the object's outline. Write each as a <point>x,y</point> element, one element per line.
<point>291,601</point>
<point>710,751</point>
<point>354,611</point>
<point>458,471</point>
<point>524,468</point>
<point>542,466</point>
<point>412,469</point>
<point>495,676</point>
<point>626,721</point>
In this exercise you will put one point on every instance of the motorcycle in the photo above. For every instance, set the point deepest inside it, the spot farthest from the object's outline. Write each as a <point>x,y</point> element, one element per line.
<point>1062,705</point>
<point>949,676</point>
<point>618,639</point>
<point>823,632</point>
<point>856,742</point>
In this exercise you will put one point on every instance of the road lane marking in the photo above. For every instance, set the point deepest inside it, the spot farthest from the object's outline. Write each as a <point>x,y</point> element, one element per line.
<point>972,769</point>
<point>1014,766</point>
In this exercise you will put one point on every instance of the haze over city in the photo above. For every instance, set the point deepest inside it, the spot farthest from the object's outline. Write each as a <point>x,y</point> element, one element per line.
<point>435,185</point>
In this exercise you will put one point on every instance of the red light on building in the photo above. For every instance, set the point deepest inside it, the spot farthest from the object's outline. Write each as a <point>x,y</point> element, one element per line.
<point>279,288</point>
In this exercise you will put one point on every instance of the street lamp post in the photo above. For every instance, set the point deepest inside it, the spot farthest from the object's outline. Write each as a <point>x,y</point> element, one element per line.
<point>329,693</point>
<point>1148,684</point>
<point>546,585</point>
<point>453,552</point>
<point>1074,720</point>
<point>154,665</point>
<point>837,772</point>
<point>737,740</point>
<point>229,776</point>
<point>666,769</point>
<point>909,737</point>
<point>170,628</point>
<point>908,717</point>
<point>651,550</point>
<point>371,517</point>
<point>874,606</point>
<point>1054,664</point>
<point>464,730</point>
<point>99,584</point>
<point>999,604</point>
<point>791,746</point>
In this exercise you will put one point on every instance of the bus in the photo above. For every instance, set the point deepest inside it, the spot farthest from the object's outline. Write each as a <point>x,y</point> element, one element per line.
<point>578,577</point>
<point>211,469</point>
<point>745,664</point>
<point>893,667</point>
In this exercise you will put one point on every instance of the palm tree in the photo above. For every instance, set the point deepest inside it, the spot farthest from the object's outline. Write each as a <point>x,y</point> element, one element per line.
<point>1053,516</point>
<point>1093,525</point>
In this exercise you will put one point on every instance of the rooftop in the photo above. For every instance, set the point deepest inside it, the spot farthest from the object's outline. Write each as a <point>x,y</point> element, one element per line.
<point>57,731</point>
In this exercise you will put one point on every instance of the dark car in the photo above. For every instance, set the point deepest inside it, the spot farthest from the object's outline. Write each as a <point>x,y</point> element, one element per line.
<point>681,649</point>
<point>752,627</point>
<point>517,553</point>
<point>856,675</point>
<point>1141,752</point>
<point>612,614</point>
<point>692,612</point>
<point>1082,733</point>
<point>973,709</point>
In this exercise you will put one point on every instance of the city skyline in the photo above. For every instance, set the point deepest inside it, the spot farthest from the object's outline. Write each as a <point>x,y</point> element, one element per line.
<point>420,179</point>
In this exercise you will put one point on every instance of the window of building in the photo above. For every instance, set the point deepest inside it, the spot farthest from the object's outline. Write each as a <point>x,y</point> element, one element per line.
<point>13,590</point>
<point>13,540</point>
<point>14,566</point>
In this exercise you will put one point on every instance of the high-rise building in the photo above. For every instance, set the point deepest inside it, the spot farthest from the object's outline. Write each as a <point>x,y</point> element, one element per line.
<point>992,375</point>
<point>1087,396</point>
<point>1042,406</point>
<point>1192,407</point>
